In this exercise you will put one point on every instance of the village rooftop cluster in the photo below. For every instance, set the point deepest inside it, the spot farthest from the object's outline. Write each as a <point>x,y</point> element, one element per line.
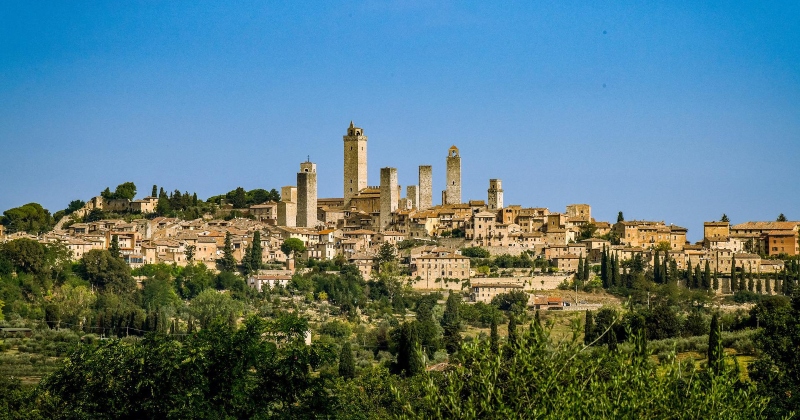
<point>354,227</point>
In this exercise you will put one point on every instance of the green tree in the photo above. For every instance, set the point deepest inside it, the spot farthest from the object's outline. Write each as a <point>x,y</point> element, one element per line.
<point>126,190</point>
<point>211,305</point>
<point>255,252</point>
<point>475,252</point>
<point>409,355</point>
<point>620,217</point>
<point>494,337</point>
<point>347,364</point>
<point>25,255</point>
<point>113,248</point>
<point>512,330</point>
<point>724,218</point>
<point>102,270</point>
<point>707,276</point>
<point>781,218</point>
<point>31,218</point>
<point>228,261</point>
<point>239,198</point>
<point>587,231</point>
<point>588,328</point>
<point>386,255</point>
<point>451,323</point>
<point>188,252</point>
<point>715,350</point>
<point>292,246</point>
<point>154,193</point>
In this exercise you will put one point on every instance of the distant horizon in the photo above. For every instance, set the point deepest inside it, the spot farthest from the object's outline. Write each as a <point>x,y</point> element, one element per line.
<point>677,112</point>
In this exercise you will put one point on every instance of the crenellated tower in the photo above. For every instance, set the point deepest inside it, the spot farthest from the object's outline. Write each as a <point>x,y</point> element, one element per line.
<point>355,162</point>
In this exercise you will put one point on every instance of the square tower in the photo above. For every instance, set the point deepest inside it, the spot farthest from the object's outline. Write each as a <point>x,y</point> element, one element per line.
<point>425,187</point>
<point>389,195</point>
<point>412,195</point>
<point>495,198</point>
<point>287,207</point>
<point>355,162</point>
<point>307,195</point>
<point>453,191</point>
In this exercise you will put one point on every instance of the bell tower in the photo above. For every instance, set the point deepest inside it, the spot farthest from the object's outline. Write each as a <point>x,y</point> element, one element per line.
<point>355,162</point>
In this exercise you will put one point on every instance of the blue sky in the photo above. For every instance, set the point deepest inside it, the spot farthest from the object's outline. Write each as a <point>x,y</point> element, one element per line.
<point>677,112</point>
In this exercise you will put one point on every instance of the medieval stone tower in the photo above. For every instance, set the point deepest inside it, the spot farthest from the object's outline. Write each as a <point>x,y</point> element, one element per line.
<point>307,195</point>
<point>412,195</point>
<point>452,194</point>
<point>495,198</point>
<point>425,187</point>
<point>287,207</point>
<point>389,195</point>
<point>355,162</point>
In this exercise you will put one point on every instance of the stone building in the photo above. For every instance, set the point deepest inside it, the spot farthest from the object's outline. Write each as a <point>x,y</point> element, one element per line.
<point>425,187</point>
<point>287,207</point>
<point>389,195</point>
<point>307,195</point>
<point>355,162</point>
<point>452,194</point>
<point>495,194</point>
<point>412,195</point>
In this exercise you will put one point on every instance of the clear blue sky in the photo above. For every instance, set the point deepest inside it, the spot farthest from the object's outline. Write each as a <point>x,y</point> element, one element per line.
<point>676,112</point>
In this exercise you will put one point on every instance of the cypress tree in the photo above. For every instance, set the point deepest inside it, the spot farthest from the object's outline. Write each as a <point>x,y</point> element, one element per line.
<point>586,270</point>
<point>657,267</point>
<point>715,353</point>
<point>742,281</point>
<point>494,338</point>
<point>512,330</point>
<point>698,277</point>
<point>767,285</point>
<point>715,282</point>
<point>155,191</point>
<point>759,287</point>
<point>612,340</point>
<point>228,261</point>
<point>579,273</point>
<point>114,247</point>
<point>347,364</point>
<point>255,252</point>
<point>750,282</point>
<point>451,324</point>
<point>604,268</point>
<point>588,328</point>
<point>734,285</point>
<point>409,357</point>
<point>664,268</point>
<point>707,276</point>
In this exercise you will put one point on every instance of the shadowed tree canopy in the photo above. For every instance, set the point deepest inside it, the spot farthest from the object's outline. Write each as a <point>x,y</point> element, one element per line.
<point>102,270</point>
<point>31,218</point>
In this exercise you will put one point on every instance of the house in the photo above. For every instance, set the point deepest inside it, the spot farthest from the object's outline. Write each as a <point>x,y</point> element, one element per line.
<point>269,279</point>
<point>485,292</point>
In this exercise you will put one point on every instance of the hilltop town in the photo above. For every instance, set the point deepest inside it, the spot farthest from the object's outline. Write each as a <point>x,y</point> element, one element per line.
<point>437,244</point>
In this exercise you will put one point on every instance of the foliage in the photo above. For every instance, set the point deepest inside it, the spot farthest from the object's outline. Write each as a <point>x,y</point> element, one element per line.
<point>124,191</point>
<point>31,218</point>
<point>451,323</point>
<point>228,261</point>
<point>104,271</point>
<point>292,246</point>
<point>549,380</point>
<point>777,371</point>
<point>515,300</point>
<point>262,369</point>
<point>347,365</point>
<point>475,252</point>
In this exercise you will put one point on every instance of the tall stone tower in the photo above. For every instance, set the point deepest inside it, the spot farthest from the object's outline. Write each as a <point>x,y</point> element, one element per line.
<point>495,198</point>
<point>425,187</point>
<point>389,195</point>
<point>287,207</point>
<point>412,194</point>
<point>355,162</point>
<point>453,191</point>
<point>307,195</point>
